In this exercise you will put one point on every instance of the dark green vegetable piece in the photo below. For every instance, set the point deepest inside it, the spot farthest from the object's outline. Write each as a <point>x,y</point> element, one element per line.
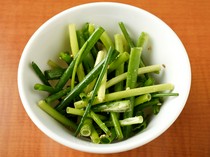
<point>126,35</point>
<point>82,36</point>
<point>78,68</point>
<point>120,60</point>
<point>156,108</point>
<point>45,88</point>
<point>150,103</point>
<point>57,95</point>
<point>40,74</point>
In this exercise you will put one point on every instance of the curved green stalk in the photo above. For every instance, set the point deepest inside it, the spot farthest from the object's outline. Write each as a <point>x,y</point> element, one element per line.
<point>77,62</point>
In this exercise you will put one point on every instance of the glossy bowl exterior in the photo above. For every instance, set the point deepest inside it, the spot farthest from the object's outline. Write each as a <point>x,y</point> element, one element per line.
<point>52,37</point>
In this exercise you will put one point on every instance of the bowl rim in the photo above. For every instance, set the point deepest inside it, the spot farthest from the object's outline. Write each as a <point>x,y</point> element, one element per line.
<point>55,137</point>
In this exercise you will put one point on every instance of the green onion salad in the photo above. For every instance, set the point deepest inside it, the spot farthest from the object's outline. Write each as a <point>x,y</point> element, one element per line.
<point>103,91</point>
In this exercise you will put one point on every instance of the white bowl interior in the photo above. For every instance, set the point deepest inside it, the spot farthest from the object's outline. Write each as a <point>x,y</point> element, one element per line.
<point>52,37</point>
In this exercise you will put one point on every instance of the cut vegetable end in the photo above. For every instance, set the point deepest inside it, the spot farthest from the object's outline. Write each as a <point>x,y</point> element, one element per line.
<point>143,98</point>
<point>131,121</point>
<point>85,131</point>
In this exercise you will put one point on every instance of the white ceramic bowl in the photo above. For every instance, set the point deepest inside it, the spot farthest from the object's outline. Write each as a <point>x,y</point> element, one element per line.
<point>52,37</point>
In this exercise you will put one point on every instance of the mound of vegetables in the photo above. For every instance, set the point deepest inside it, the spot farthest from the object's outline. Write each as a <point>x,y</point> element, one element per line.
<point>103,90</point>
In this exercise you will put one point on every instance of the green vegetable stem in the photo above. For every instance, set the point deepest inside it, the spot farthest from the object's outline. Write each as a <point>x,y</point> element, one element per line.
<point>131,81</point>
<point>39,73</point>
<point>56,115</point>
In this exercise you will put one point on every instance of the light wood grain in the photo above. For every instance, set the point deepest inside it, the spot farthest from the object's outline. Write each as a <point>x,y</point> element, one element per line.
<point>189,136</point>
